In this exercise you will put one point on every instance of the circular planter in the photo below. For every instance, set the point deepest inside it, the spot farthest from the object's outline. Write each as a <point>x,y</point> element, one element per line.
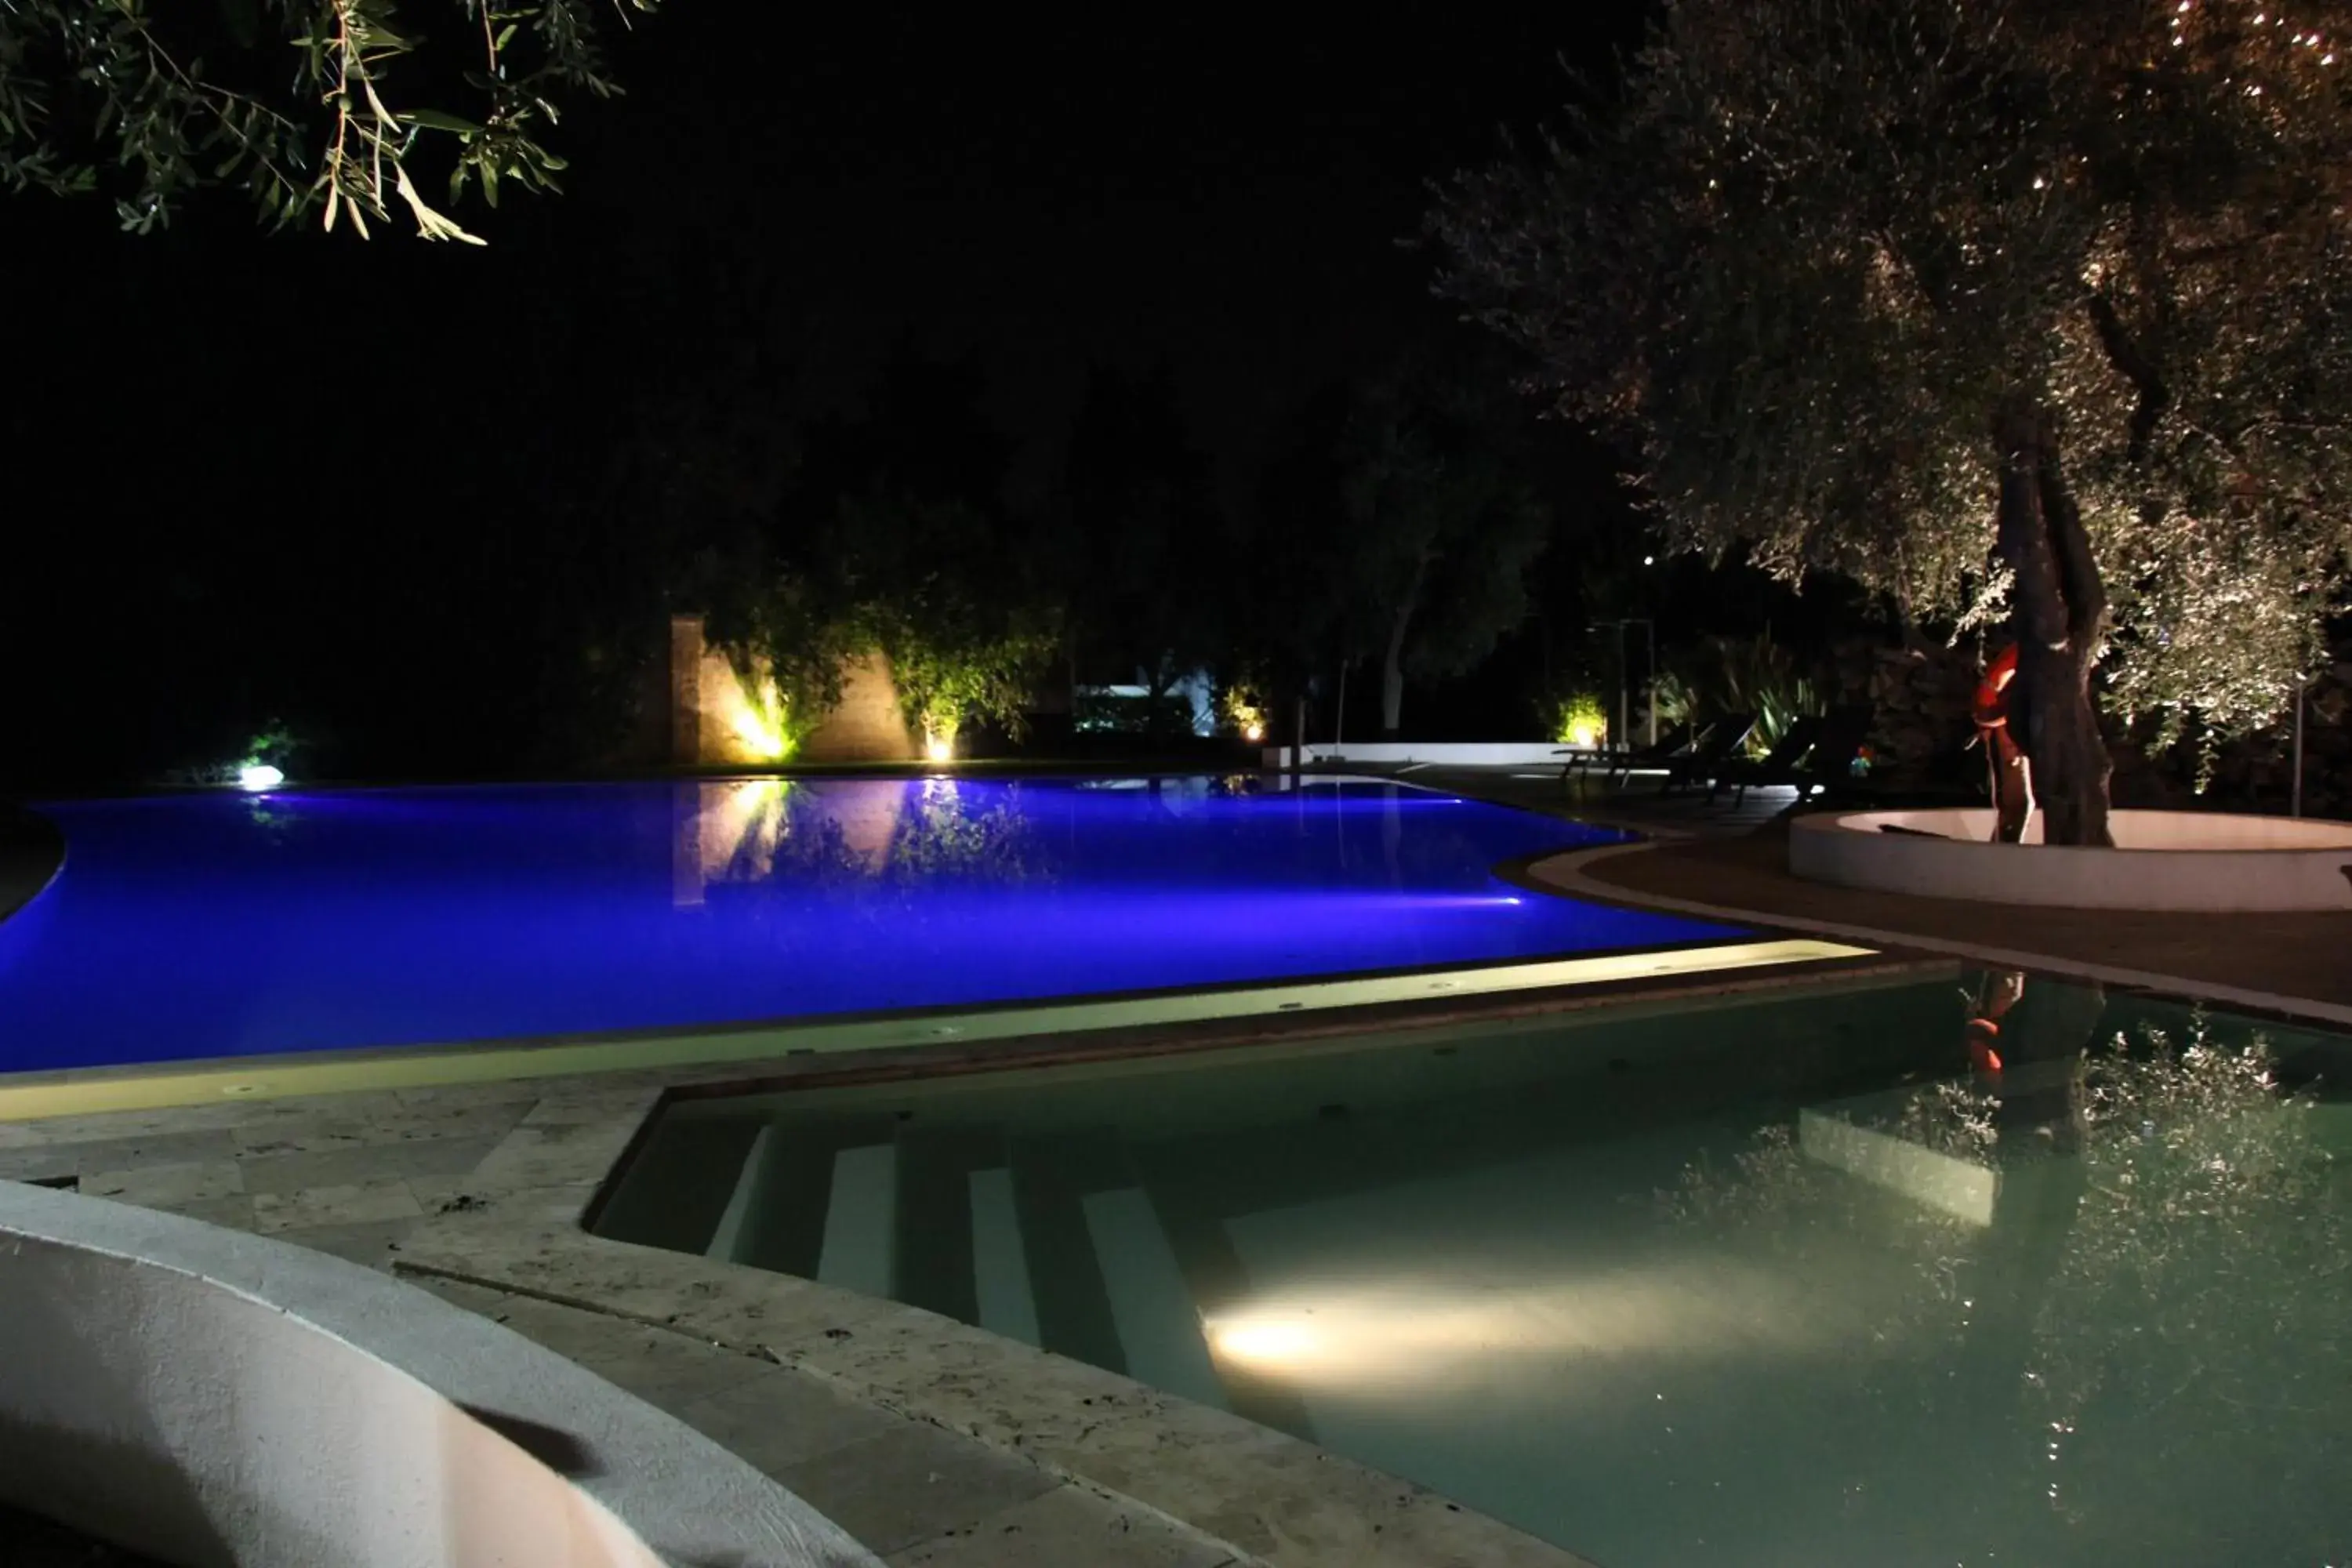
<point>2182,860</point>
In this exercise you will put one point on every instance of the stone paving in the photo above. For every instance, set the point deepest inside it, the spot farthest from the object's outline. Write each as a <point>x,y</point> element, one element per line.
<point>357,1175</point>
<point>929,1440</point>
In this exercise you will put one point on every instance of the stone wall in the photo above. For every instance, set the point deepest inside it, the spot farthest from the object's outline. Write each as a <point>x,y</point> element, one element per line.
<point>715,721</point>
<point>686,688</point>
<point>869,726</point>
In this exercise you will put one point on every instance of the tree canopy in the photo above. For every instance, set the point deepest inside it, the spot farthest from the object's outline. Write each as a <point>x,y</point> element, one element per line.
<point>1437,524</point>
<point>1145,552</point>
<point>807,544</point>
<point>1839,270</point>
<point>303,105</point>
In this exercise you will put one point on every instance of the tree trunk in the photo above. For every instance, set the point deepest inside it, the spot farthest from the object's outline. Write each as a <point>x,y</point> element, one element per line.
<point>1392,678</point>
<point>1393,659</point>
<point>2058,608</point>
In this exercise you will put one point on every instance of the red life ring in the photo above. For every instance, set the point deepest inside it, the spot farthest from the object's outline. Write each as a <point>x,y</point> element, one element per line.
<point>1993,693</point>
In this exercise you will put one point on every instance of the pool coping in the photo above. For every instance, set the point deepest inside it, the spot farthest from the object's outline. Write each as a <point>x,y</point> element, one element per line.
<point>521,1228</point>
<point>154,1085</point>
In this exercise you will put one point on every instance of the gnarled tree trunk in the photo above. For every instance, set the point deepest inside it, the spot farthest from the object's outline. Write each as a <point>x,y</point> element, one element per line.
<point>2058,608</point>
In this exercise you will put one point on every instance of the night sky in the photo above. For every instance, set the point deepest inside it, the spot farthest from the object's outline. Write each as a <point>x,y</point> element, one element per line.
<point>1224,191</point>
<point>223,444</point>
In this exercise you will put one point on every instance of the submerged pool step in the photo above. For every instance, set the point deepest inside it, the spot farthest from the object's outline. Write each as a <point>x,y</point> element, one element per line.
<point>1055,1241</point>
<point>860,1238</point>
<point>1151,1302</point>
<point>933,1261</point>
<point>726,1242</point>
<point>1006,1303</point>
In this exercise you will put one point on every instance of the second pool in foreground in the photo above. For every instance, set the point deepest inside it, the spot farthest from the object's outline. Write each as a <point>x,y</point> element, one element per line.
<point>1801,1283</point>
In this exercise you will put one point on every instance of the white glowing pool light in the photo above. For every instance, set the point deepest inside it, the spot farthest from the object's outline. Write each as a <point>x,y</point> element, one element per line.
<point>259,776</point>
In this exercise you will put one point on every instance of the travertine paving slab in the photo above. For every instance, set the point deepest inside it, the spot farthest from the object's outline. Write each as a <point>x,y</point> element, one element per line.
<point>167,1186</point>
<point>911,1482</point>
<point>47,1161</point>
<point>357,1203</point>
<point>1069,1524</point>
<point>785,1418</point>
<point>350,1164</point>
<point>885,1477</point>
<point>373,1243</point>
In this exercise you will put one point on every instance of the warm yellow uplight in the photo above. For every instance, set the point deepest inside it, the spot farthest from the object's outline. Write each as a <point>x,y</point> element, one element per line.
<point>1261,1341</point>
<point>939,748</point>
<point>1447,1331</point>
<point>1243,714</point>
<point>1582,735</point>
<point>756,716</point>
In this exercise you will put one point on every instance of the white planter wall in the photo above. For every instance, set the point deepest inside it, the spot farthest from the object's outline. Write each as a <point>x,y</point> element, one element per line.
<point>2176,860</point>
<point>218,1400</point>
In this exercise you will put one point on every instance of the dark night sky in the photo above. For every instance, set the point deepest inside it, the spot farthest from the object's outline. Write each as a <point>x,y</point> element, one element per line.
<point>1221,188</point>
<point>228,441</point>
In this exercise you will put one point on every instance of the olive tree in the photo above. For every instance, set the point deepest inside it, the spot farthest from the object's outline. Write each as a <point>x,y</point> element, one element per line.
<point>2028,307</point>
<point>294,102</point>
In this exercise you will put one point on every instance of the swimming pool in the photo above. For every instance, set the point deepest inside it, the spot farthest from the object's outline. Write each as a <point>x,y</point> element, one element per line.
<point>1777,1282</point>
<point>186,927</point>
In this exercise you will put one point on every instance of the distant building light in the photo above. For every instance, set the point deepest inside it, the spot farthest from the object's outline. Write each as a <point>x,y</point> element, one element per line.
<point>1649,561</point>
<point>259,776</point>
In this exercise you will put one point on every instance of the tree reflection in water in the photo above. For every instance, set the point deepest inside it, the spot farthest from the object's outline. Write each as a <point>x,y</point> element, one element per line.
<point>883,835</point>
<point>2148,1341</point>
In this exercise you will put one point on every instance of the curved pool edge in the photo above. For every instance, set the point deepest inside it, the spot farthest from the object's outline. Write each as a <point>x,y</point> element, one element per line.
<point>1568,872</point>
<point>1271,1499</point>
<point>32,855</point>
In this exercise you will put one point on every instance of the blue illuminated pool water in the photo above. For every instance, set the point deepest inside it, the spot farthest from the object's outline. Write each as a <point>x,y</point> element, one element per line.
<point>195,926</point>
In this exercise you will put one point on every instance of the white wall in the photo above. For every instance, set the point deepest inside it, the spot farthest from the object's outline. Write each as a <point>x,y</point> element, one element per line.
<point>2176,860</point>
<point>213,1398</point>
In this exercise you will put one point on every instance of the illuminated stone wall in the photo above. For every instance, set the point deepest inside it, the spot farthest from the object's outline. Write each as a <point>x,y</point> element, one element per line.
<point>686,688</point>
<point>869,726</point>
<point>716,720</point>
